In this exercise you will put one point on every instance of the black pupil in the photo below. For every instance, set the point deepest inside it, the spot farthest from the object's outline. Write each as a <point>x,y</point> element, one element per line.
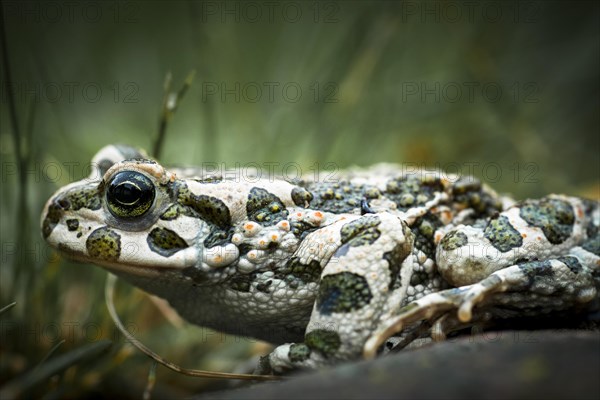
<point>127,193</point>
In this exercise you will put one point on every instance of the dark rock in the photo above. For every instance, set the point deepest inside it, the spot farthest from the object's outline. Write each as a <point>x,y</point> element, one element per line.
<point>548,364</point>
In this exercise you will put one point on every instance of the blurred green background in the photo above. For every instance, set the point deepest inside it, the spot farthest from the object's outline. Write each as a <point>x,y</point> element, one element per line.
<point>507,91</point>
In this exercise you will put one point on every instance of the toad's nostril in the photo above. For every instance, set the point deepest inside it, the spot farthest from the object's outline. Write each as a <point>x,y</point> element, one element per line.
<point>64,204</point>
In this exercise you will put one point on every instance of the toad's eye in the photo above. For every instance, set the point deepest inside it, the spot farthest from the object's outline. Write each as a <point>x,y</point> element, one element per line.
<point>130,194</point>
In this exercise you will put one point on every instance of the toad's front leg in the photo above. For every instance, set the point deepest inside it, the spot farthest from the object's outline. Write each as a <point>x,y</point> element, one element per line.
<point>360,286</point>
<point>558,235</point>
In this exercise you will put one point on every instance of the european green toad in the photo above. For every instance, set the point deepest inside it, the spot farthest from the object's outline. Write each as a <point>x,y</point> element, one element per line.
<point>329,270</point>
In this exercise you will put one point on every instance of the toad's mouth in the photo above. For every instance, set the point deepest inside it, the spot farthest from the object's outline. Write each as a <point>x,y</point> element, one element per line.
<point>124,252</point>
<point>119,268</point>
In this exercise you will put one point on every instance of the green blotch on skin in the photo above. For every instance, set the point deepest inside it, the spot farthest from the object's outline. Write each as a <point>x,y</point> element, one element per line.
<point>324,341</point>
<point>536,269</point>
<point>301,197</point>
<point>84,198</point>
<point>469,193</point>
<point>298,352</point>
<point>218,237</point>
<point>555,218</point>
<point>165,242</point>
<point>51,220</point>
<point>294,270</point>
<point>372,193</point>
<point>212,210</point>
<point>572,263</point>
<point>361,232</point>
<point>301,228</point>
<point>412,191</point>
<point>453,240</point>
<point>175,210</point>
<point>424,229</point>
<point>343,292</point>
<point>104,244</point>
<point>339,197</point>
<point>395,257</point>
<point>75,200</point>
<point>502,235</point>
<point>172,213</point>
<point>265,208</point>
<point>208,208</point>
